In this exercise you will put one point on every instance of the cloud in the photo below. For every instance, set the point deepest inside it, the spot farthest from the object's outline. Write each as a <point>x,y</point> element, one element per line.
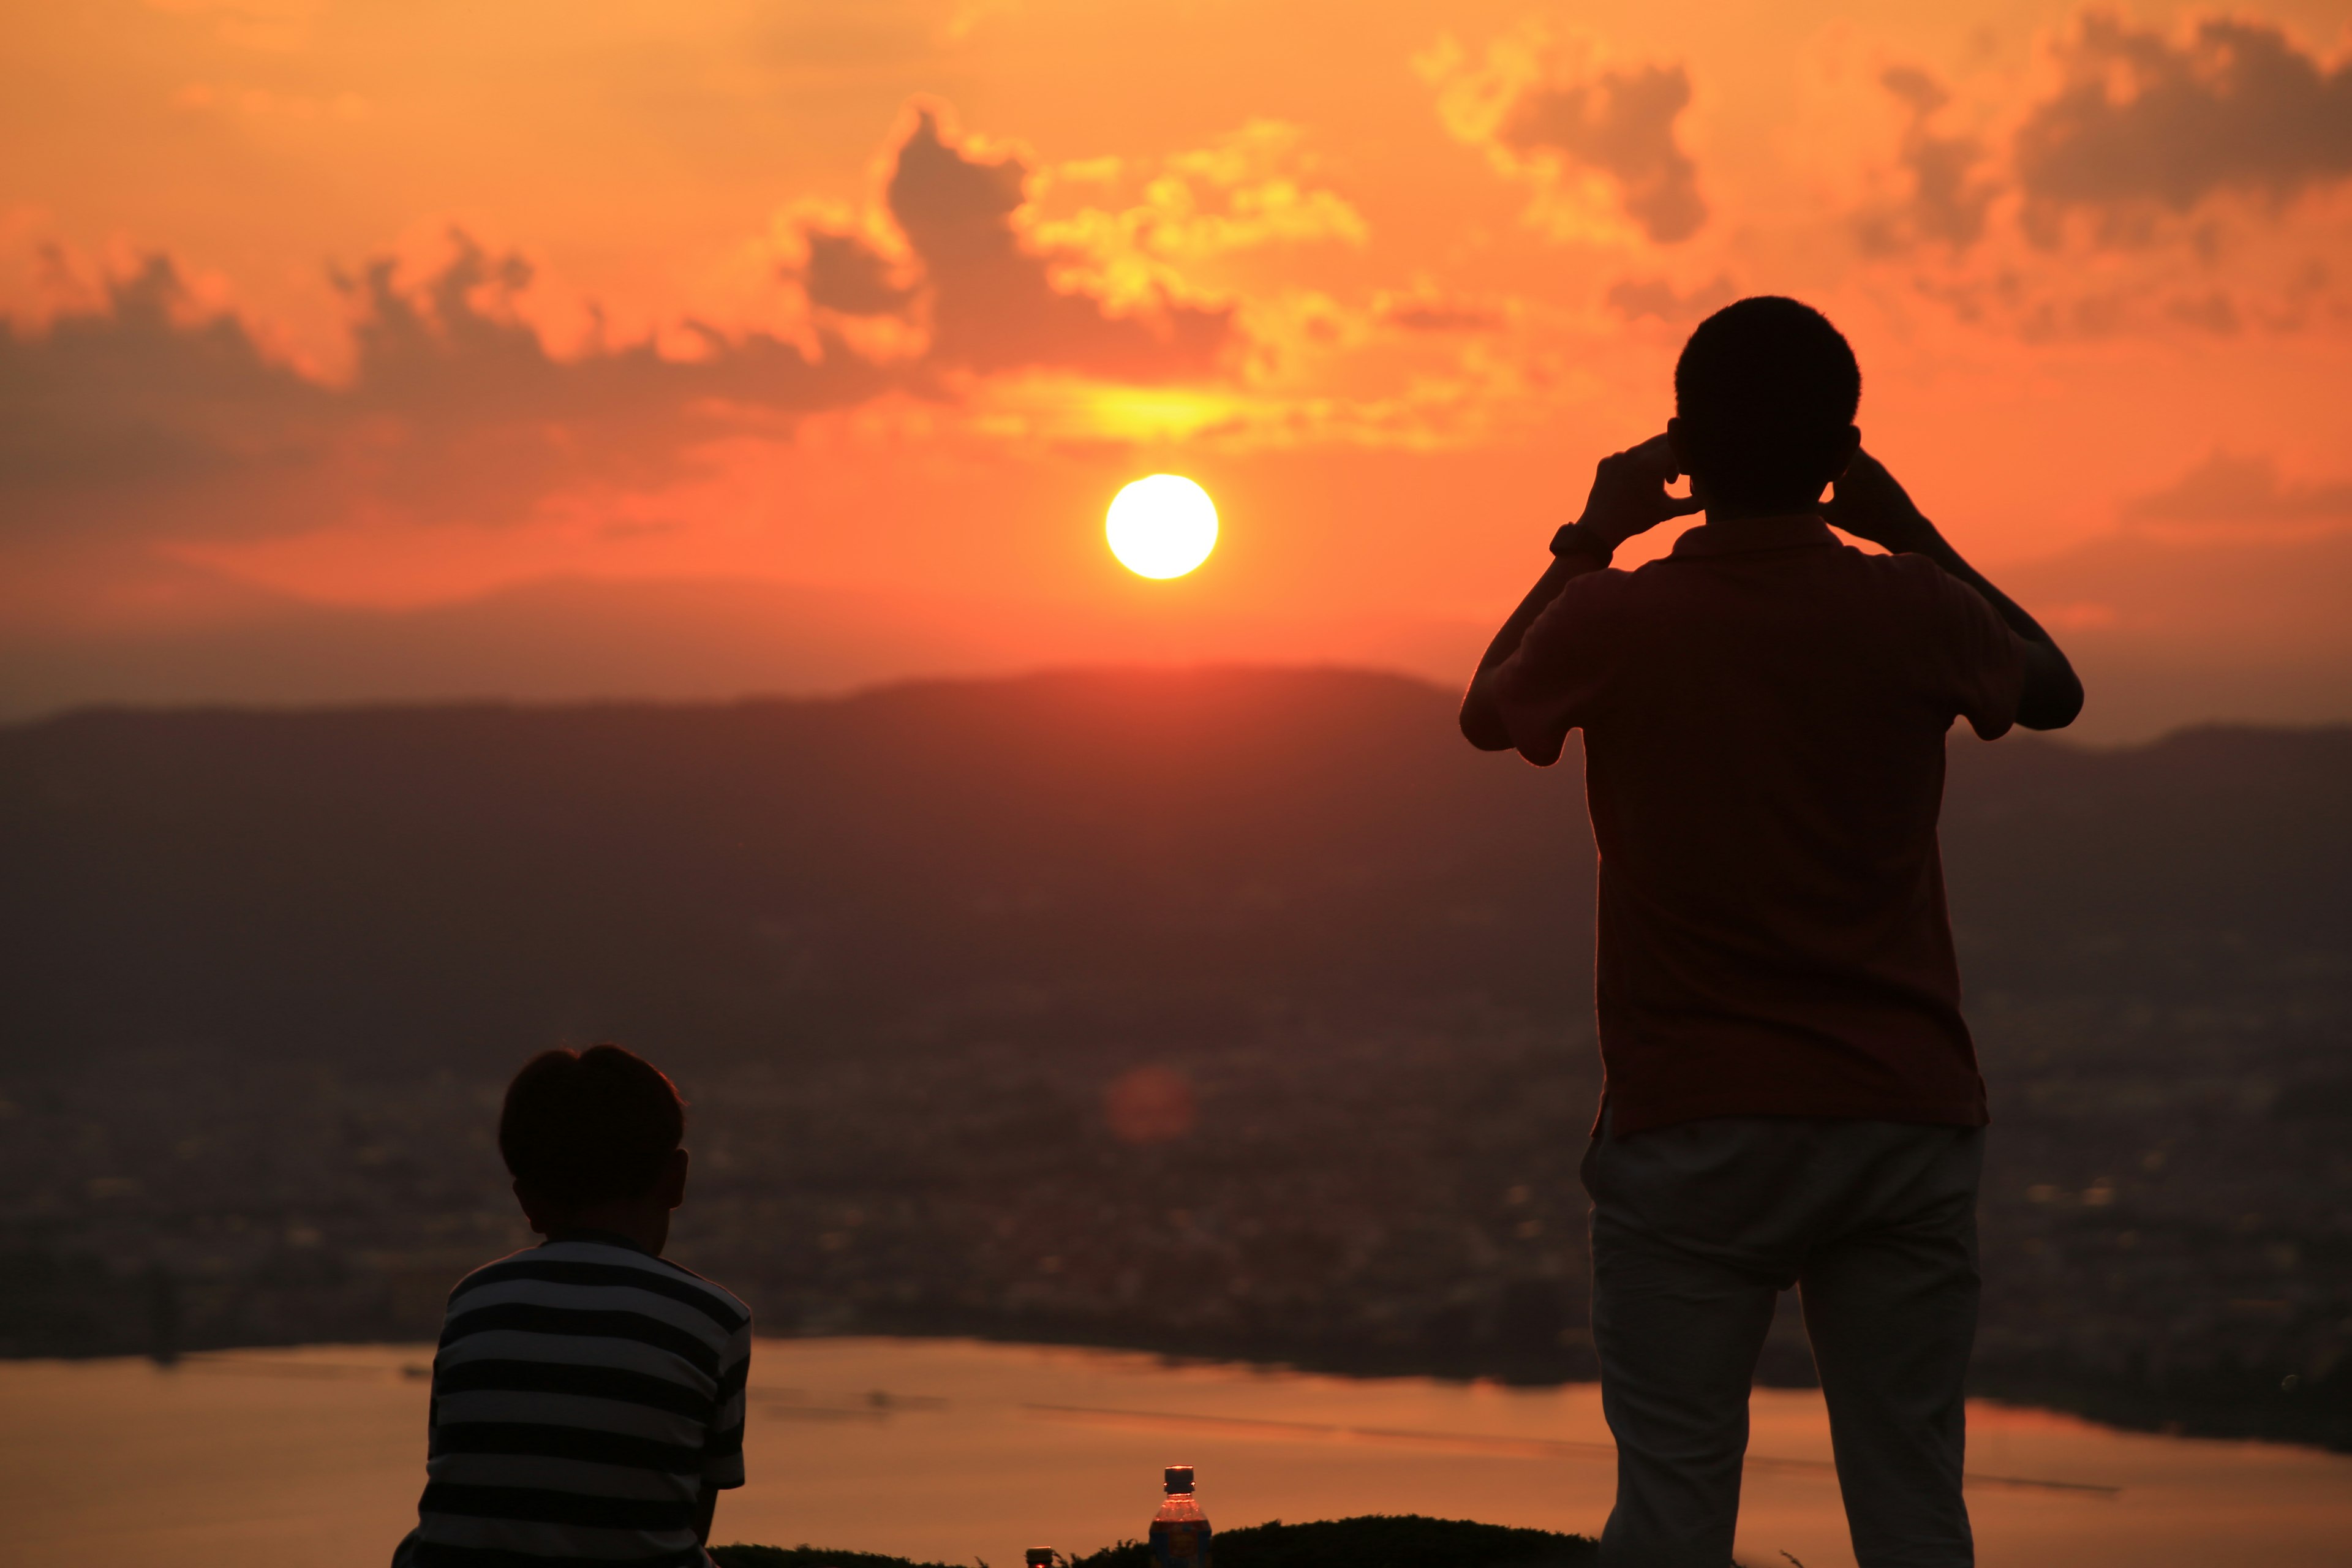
<point>152,452</point>
<point>1430,309</point>
<point>993,298</point>
<point>1621,123</point>
<point>1555,116</point>
<point>1253,187</point>
<point>142,388</point>
<point>2235,489</point>
<point>1949,197</point>
<point>455,402</point>
<point>454,350</point>
<point>2141,123</point>
<point>2174,156</point>
<point>1631,299</point>
<point>845,273</point>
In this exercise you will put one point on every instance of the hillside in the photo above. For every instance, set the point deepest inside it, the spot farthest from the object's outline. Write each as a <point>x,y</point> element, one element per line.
<point>917,954</point>
<point>1138,852</point>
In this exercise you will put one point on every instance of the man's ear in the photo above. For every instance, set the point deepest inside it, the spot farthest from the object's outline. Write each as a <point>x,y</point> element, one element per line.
<point>1678,442</point>
<point>1848,445</point>
<point>534,1213</point>
<point>671,1188</point>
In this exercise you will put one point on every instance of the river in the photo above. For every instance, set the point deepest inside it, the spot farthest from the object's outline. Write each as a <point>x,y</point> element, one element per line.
<point>952,1450</point>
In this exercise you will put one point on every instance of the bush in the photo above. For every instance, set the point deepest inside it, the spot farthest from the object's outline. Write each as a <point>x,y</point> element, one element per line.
<point>1372,1541</point>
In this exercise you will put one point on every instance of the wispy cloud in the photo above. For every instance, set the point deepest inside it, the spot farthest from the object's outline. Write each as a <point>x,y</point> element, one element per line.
<point>2234,489</point>
<point>1631,299</point>
<point>1948,191</point>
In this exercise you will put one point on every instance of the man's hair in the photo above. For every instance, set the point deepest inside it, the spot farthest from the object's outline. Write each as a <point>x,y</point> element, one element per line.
<point>592,1126</point>
<point>1766,390</point>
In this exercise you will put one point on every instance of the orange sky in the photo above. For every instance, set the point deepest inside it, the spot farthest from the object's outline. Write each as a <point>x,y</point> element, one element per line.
<point>402,349</point>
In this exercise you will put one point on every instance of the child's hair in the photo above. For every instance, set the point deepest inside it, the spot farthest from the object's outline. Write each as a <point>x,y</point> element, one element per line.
<point>592,1126</point>
<point>1766,390</point>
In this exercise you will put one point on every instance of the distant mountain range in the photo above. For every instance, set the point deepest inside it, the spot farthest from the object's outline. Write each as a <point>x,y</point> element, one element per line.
<point>1145,850</point>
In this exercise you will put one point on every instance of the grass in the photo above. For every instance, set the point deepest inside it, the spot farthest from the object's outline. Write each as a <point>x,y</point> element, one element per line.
<point>1370,1540</point>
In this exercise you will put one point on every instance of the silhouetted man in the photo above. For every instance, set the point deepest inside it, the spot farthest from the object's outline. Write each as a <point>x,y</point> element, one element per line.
<point>1790,1095</point>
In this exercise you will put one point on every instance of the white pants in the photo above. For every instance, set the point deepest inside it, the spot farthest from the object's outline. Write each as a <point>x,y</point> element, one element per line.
<point>1695,1229</point>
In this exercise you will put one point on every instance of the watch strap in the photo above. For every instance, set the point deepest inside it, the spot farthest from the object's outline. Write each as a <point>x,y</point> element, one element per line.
<point>1574,538</point>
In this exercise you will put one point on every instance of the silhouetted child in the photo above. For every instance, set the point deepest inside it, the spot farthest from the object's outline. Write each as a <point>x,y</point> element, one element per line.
<point>1791,1096</point>
<point>587,1393</point>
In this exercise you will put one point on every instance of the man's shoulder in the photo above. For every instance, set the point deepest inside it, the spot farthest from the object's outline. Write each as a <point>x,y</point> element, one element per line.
<point>1837,570</point>
<point>595,1265</point>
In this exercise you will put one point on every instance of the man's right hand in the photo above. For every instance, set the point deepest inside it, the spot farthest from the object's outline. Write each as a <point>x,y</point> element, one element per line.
<point>1629,492</point>
<point>1869,503</point>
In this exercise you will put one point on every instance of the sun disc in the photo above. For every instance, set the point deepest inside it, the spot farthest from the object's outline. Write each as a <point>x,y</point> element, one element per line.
<point>1162,526</point>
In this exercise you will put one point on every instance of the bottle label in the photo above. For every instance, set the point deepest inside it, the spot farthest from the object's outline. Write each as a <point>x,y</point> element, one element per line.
<point>1180,1543</point>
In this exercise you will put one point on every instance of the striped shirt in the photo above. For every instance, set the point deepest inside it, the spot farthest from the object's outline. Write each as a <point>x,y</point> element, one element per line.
<point>584,1394</point>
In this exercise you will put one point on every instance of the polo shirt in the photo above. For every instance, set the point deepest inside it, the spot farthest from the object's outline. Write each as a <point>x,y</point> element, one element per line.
<point>1764,713</point>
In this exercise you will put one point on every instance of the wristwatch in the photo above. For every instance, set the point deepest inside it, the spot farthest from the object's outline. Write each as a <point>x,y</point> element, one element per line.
<point>1577,538</point>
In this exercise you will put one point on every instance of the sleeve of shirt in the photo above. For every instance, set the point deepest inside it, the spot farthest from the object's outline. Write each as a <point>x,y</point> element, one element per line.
<point>1556,678</point>
<point>1979,660</point>
<point>722,1451</point>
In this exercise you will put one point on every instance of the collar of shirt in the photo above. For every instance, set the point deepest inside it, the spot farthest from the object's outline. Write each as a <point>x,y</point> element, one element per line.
<point>600,1238</point>
<point>1750,534</point>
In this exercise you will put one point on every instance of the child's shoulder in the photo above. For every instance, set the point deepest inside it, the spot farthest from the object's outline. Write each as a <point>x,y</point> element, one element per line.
<point>582,1264</point>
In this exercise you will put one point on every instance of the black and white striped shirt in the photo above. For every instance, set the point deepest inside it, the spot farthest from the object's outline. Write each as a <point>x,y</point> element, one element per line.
<point>584,1394</point>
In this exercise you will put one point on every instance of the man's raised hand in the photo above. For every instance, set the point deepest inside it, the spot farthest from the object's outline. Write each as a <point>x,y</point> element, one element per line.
<point>1629,492</point>
<point>1870,504</point>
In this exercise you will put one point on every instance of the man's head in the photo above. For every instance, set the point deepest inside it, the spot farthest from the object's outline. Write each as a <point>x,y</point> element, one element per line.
<point>1765,395</point>
<point>593,1139</point>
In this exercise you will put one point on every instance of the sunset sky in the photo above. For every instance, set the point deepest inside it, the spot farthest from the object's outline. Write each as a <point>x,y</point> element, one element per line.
<point>366,351</point>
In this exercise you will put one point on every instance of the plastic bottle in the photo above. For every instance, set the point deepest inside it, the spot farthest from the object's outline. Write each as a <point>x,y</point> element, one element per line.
<point>1180,1531</point>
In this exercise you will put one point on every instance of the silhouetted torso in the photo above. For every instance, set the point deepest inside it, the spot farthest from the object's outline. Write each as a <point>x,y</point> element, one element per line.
<point>1765,714</point>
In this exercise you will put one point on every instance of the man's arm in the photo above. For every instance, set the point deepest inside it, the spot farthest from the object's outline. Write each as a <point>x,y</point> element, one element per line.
<point>1869,504</point>
<point>1482,719</point>
<point>705,1509</point>
<point>1628,497</point>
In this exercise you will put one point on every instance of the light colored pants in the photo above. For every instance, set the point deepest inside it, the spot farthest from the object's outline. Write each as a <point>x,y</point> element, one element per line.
<point>1695,1229</point>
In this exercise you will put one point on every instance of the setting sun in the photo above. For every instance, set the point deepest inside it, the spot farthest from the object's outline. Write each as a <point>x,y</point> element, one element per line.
<point>1162,526</point>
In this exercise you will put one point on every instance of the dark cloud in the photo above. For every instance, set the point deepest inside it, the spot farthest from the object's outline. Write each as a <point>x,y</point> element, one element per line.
<point>142,388</point>
<point>1631,299</point>
<point>2228,488</point>
<point>1947,198</point>
<point>993,301</point>
<point>454,350</point>
<point>2212,309</point>
<point>847,275</point>
<point>147,415</point>
<point>1621,123</point>
<point>2145,123</point>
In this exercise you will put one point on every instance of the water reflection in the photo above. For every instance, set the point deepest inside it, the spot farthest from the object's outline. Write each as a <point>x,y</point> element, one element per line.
<point>948,1450</point>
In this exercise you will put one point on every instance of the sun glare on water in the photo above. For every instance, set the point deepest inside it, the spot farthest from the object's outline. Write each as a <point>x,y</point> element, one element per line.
<point>1162,526</point>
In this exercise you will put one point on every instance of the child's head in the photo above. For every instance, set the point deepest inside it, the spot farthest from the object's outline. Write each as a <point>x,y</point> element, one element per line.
<point>1765,395</point>
<point>593,1139</point>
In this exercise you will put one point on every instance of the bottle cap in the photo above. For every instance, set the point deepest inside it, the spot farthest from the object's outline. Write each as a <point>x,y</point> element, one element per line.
<point>1179,1479</point>
<point>1040,1557</point>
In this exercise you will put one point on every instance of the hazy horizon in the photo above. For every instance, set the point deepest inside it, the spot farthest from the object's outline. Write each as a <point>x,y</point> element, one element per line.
<point>576,640</point>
